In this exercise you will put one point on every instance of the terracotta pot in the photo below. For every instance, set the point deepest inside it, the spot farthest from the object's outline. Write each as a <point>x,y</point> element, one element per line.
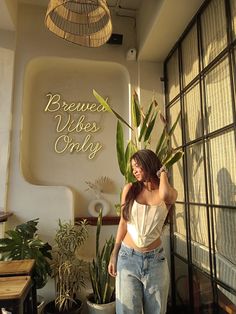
<point>51,309</point>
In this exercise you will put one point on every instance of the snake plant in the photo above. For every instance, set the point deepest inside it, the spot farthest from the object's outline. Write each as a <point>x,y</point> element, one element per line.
<point>102,283</point>
<point>142,126</point>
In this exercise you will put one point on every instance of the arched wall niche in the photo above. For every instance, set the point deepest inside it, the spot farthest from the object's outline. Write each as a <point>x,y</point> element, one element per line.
<point>45,163</point>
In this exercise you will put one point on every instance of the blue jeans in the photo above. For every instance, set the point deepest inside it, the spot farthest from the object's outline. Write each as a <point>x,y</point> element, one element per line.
<point>142,281</point>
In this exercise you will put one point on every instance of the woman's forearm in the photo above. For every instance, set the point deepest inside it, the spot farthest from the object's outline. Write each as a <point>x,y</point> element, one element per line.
<point>121,231</point>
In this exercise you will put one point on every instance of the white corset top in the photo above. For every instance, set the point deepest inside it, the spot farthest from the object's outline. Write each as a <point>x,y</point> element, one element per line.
<point>146,222</point>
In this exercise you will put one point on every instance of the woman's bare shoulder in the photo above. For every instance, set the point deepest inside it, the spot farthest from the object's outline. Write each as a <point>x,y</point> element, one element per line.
<point>125,191</point>
<point>127,186</point>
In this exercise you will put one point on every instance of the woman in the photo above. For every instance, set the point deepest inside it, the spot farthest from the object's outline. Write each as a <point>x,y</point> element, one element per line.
<point>138,261</point>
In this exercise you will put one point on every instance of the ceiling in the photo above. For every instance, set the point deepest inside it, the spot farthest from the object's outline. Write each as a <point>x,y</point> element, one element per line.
<point>127,8</point>
<point>128,5</point>
<point>159,22</point>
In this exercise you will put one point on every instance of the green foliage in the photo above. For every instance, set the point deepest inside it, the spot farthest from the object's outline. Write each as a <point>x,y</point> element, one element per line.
<point>102,283</point>
<point>143,123</point>
<point>23,243</point>
<point>68,271</point>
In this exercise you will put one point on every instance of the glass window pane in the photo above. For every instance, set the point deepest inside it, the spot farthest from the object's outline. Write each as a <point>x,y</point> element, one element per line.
<point>233,15</point>
<point>198,224</point>
<point>180,230</point>
<point>178,179</point>
<point>222,160</point>
<point>179,219</point>
<point>214,35</point>
<point>176,138</point>
<point>196,174</point>
<point>180,244</point>
<point>226,273</point>
<point>218,97</point>
<point>203,294</point>
<point>193,120</point>
<point>226,300</point>
<point>190,58</point>
<point>224,236</point>
<point>181,282</point>
<point>199,237</point>
<point>173,76</point>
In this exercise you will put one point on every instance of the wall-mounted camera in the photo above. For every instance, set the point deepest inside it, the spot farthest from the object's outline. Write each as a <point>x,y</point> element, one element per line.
<point>131,54</point>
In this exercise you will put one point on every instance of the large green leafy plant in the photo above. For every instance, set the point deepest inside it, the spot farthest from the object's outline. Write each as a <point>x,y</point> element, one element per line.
<point>102,283</point>
<point>68,270</point>
<point>23,243</point>
<point>142,126</point>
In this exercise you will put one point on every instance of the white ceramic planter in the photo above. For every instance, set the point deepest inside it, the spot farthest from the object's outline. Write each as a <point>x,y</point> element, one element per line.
<point>4,311</point>
<point>97,204</point>
<point>108,308</point>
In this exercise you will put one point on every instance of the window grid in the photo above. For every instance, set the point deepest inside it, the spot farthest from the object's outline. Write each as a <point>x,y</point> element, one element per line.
<point>216,85</point>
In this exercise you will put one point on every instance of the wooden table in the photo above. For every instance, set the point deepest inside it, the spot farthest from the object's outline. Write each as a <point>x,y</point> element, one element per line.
<point>19,269</point>
<point>13,293</point>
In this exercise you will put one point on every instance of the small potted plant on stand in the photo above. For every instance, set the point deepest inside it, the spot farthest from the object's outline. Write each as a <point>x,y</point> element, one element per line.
<point>23,243</point>
<point>102,300</point>
<point>68,271</point>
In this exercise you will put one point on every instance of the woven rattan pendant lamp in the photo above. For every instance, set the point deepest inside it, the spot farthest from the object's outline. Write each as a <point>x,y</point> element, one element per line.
<point>83,22</point>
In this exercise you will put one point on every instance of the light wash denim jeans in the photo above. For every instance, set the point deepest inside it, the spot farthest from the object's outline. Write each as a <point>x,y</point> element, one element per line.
<point>142,281</point>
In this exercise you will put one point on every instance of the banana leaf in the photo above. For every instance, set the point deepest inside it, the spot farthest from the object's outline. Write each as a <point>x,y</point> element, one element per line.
<point>173,158</point>
<point>161,141</point>
<point>150,128</point>
<point>174,125</point>
<point>135,110</point>
<point>120,148</point>
<point>130,150</point>
<point>165,148</point>
<point>103,102</point>
<point>145,122</point>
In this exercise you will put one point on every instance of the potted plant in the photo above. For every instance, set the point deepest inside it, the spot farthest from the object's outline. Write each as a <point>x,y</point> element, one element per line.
<point>68,270</point>
<point>141,129</point>
<point>102,300</point>
<point>23,242</point>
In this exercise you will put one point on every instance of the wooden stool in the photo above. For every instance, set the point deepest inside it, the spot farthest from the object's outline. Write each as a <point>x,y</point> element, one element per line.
<point>13,293</point>
<point>21,268</point>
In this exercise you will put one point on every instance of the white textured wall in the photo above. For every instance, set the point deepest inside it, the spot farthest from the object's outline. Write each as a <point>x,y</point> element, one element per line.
<point>35,193</point>
<point>7,55</point>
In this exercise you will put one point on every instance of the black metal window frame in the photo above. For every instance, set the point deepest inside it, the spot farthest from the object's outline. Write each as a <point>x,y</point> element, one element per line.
<point>228,52</point>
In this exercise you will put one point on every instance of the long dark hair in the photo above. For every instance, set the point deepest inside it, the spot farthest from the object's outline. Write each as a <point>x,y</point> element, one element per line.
<point>150,164</point>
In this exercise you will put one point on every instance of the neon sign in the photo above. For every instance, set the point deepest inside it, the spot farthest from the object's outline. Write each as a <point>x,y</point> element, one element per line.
<point>71,118</point>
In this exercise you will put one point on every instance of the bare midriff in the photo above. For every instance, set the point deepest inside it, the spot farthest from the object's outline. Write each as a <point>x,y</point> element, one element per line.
<point>129,242</point>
